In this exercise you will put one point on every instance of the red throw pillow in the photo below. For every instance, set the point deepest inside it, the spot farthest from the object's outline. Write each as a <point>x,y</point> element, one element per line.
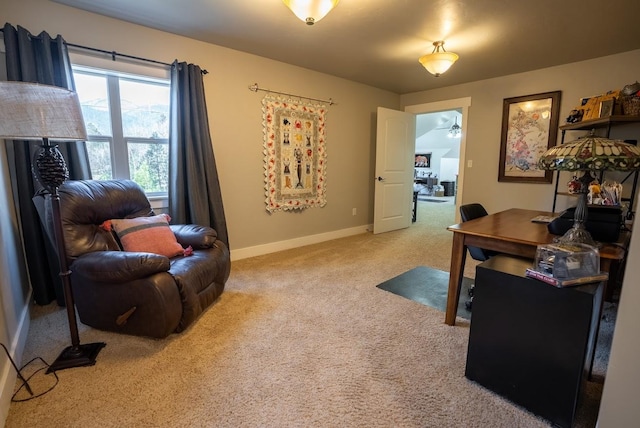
<point>146,234</point>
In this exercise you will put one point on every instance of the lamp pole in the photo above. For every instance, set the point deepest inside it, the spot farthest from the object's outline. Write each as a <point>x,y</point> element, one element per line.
<point>51,171</point>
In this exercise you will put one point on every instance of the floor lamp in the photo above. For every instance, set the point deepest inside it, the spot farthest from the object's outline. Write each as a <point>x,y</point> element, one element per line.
<point>30,111</point>
<point>589,154</point>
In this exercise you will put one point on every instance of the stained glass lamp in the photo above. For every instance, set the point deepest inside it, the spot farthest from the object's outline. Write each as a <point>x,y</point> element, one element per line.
<point>589,154</point>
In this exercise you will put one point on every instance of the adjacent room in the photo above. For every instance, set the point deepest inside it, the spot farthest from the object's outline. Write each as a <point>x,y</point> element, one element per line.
<point>255,213</point>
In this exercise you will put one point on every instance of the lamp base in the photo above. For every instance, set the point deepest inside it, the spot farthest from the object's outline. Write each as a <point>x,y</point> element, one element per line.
<point>77,356</point>
<point>577,235</point>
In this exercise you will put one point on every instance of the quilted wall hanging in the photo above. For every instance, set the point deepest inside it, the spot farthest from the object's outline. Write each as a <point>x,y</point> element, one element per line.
<point>294,154</point>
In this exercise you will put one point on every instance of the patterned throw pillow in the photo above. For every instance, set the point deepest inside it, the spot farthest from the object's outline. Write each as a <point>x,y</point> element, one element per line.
<point>146,234</point>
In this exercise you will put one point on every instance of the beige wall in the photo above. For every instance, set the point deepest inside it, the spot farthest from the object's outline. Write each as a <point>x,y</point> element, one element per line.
<point>236,120</point>
<point>14,284</point>
<point>619,406</point>
<point>14,288</point>
<point>484,122</point>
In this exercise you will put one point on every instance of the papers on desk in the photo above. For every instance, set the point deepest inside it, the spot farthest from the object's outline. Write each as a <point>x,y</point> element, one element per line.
<point>543,218</point>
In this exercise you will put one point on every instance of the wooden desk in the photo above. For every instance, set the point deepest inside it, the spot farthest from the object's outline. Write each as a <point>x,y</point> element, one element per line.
<point>509,232</point>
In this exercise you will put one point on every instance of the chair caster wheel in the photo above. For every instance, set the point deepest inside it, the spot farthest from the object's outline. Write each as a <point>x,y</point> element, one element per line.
<point>468,304</point>
<point>471,290</point>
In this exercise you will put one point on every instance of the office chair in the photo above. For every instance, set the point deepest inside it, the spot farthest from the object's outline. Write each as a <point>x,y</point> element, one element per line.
<point>470,212</point>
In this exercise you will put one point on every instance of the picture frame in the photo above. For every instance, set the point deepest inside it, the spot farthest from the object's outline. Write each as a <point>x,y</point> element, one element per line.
<point>529,128</point>
<point>423,160</point>
<point>606,107</point>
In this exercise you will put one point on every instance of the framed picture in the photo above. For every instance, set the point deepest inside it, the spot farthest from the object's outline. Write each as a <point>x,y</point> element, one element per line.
<point>423,160</point>
<point>529,128</point>
<point>606,107</point>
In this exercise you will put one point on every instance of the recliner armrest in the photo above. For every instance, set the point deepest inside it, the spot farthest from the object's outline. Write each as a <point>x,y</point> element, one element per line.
<point>198,237</point>
<point>119,266</point>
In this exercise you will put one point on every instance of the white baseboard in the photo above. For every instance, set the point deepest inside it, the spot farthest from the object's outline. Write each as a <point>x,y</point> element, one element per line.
<point>273,247</point>
<point>8,376</point>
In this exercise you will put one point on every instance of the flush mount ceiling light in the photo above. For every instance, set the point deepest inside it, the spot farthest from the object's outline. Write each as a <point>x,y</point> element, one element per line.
<point>310,11</point>
<point>455,130</point>
<point>438,61</point>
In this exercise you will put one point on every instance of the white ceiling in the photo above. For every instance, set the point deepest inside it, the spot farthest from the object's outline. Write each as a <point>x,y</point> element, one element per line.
<point>378,42</point>
<point>432,131</point>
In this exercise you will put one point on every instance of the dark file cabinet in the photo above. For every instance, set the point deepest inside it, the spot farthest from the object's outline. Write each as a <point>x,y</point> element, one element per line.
<point>529,341</point>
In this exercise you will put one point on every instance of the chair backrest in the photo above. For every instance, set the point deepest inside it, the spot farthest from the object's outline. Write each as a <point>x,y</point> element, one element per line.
<point>86,204</point>
<point>469,212</point>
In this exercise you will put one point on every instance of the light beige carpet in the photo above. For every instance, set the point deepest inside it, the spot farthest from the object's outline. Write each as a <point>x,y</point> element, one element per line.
<point>301,338</point>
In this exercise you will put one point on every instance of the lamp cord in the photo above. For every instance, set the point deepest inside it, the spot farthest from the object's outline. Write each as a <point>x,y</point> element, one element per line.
<point>25,382</point>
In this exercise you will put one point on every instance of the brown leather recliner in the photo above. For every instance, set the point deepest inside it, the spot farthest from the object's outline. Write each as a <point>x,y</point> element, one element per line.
<point>135,293</point>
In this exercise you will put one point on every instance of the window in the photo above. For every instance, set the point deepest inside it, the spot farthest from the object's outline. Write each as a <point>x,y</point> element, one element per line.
<point>127,121</point>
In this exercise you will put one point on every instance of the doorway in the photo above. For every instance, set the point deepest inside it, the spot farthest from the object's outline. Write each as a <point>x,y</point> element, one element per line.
<point>436,119</point>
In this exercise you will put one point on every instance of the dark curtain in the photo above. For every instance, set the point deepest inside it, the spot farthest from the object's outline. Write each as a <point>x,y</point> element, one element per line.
<point>39,59</point>
<point>194,188</point>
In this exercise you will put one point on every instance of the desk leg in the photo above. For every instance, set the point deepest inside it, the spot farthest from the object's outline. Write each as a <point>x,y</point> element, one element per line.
<point>607,265</point>
<point>458,256</point>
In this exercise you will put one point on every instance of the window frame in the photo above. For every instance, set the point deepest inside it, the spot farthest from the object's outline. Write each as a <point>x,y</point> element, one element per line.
<point>118,143</point>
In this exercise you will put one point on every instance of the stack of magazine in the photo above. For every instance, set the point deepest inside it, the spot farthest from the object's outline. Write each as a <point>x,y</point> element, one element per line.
<point>564,265</point>
<point>550,279</point>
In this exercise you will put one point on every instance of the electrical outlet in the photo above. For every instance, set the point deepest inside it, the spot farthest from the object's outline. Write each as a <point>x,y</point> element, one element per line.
<point>354,211</point>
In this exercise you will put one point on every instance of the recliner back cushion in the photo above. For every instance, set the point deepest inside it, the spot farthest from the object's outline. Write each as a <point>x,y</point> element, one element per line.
<point>86,204</point>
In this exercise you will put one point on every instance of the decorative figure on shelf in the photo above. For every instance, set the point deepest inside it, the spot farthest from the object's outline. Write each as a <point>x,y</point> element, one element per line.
<point>575,116</point>
<point>574,185</point>
<point>594,197</point>
<point>611,193</point>
<point>287,162</point>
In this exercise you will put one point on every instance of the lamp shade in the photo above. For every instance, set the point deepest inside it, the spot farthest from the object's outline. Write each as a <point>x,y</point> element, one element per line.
<point>592,153</point>
<point>310,11</point>
<point>34,111</point>
<point>438,62</point>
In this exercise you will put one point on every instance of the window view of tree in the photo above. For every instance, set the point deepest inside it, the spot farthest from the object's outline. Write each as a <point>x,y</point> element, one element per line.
<point>149,165</point>
<point>100,159</point>
<point>127,119</point>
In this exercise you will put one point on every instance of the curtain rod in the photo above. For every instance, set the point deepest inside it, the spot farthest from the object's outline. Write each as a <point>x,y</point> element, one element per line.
<point>113,54</point>
<point>256,88</point>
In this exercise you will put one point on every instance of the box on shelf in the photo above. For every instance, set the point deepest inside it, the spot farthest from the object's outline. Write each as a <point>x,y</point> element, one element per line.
<point>565,261</point>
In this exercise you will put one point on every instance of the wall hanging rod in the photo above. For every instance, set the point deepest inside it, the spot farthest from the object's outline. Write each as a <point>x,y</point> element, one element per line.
<point>256,88</point>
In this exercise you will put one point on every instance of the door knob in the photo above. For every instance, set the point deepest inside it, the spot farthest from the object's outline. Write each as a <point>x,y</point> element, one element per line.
<point>380,179</point>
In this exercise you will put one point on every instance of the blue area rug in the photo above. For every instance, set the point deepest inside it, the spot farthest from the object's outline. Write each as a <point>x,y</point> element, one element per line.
<point>429,287</point>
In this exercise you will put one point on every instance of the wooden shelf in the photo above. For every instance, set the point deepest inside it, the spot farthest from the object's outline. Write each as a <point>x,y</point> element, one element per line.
<point>606,123</point>
<point>600,122</point>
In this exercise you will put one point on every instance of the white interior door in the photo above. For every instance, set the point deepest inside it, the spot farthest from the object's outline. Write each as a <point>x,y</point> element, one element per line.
<point>395,150</point>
